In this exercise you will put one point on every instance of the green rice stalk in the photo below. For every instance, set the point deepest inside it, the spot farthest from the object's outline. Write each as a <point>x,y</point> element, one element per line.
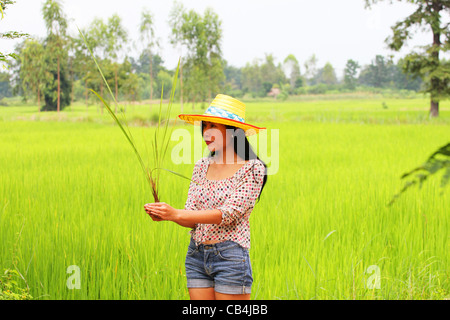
<point>158,155</point>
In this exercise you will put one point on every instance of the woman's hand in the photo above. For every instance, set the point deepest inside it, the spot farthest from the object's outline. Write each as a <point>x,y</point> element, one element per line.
<point>160,211</point>
<point>151,214</point>
<point>154,218</point>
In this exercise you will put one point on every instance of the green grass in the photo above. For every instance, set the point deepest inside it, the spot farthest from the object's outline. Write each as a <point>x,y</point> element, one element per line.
<point>72,193</point>
<point>310,109</point>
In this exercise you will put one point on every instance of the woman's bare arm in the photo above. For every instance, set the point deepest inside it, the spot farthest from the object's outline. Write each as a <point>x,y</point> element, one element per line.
<point>189,218</point>
<point>161,211</point>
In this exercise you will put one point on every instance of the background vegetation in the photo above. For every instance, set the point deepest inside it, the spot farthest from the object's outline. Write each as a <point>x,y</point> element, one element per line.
<point>71,192</point>
<point>57,70</point>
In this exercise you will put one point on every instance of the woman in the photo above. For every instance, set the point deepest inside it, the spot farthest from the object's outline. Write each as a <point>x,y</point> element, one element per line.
<point>225,187</point>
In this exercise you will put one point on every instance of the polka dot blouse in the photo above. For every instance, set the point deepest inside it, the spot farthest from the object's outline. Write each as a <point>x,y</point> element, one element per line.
<point>235,197</point>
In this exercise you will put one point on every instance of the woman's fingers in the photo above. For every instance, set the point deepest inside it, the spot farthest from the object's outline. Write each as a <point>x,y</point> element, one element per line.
<point>155,210</point>
<point>156,204</point>
<point>154,213</point>
<point>154,217</point>
<point>149,211</point>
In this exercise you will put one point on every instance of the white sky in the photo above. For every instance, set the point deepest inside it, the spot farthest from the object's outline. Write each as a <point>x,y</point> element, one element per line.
<point>333,30</point>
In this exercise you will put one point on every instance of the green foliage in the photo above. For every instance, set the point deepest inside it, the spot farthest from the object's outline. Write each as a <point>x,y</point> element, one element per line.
<point>5,87</point>
<point>233,81</point>
<point>133,258</point>
<point>50,87</point>
<point>436,78</point>
<point>160,141</point>
<point>54,18</point>
<point>350,74</point>
<point>382,72</point>
<point>327,75</point>
<point>131,86</point>
<point>310,69</point>
<point>285,90</point>
<point>378,74</point>
<point>292,70</point>
<point>201,37</point>
<point>320,88</point>
<point>142,64</point>
<point>57,87</point>
<point>33,71</point>
<point>203,67</point>
<point>439,160</point>
<point>10,289</point>
<point>259,78</point>
<point>425,63</point>
<point>5,57</point>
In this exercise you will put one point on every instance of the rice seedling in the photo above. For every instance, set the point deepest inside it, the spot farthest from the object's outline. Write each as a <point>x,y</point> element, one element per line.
<point>159,148</point>
<point>319,227</point>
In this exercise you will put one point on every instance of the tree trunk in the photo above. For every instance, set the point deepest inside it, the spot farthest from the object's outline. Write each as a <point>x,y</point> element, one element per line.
<point>101,95</point>
<point>73,86</point>
<point>117,88</point>
<point>435,83</point>
<point>72,94</point>
<point>86,93</point>
<point>193,102</point>
<point>59,87</point>
<point>434,109</point>
<point>151,83</point>
<point>181,85</point>
<point>209,86</point>
<point>39,98</point>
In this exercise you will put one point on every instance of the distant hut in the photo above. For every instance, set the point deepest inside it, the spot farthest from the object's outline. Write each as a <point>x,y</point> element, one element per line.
<point>274,92</point>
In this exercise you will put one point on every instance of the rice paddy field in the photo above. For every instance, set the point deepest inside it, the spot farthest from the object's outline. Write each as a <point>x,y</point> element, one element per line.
<point>72,194</point>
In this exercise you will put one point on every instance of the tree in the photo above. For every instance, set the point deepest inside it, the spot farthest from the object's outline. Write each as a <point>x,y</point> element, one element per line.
<point>425,63</point>
<point>200,35</point>
<point>106,40</point>
<point>83,65</point>
<point>176,22</point>
<point>115,39</point>
<point>32,70</point>
<point>5,87</point>
<point>56,24</point>
<point>147,34</point>
<point>95,36</point>
<point>378,74</point>
<point>292,70</point>
<point>404,80</point>
<point>251,78</point>
<point>327,75</point>
<point>233,81</point>
<point>350,72</point>
<point>131,86</point>
<point>271,73</point>
<point>260,78</point>
<point>165,80</point>
<point>5,57</point>
<point>142,63</point>
<point>311,69</point>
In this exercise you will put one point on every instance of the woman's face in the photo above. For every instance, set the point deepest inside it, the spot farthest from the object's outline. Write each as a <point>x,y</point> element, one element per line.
<point>216,136</point>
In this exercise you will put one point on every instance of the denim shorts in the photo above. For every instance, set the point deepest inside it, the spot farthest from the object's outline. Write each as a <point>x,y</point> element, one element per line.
<point>224,266</point>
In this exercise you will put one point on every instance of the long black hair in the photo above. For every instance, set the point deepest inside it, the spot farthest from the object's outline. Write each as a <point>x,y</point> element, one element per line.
<point>244,152</point>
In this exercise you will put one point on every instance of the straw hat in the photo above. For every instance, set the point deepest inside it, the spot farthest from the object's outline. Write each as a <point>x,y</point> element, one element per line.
<point>224,110</point>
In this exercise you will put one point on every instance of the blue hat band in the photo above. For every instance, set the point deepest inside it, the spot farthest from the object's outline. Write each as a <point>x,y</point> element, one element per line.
<point>223,114</point>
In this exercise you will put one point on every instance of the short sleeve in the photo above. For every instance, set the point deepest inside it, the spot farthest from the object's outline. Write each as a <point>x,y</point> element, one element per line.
<point>244,196</point>
<point>190,201</point>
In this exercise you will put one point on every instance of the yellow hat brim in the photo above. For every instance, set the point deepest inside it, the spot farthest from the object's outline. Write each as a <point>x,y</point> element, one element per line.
<point>195,120</point>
